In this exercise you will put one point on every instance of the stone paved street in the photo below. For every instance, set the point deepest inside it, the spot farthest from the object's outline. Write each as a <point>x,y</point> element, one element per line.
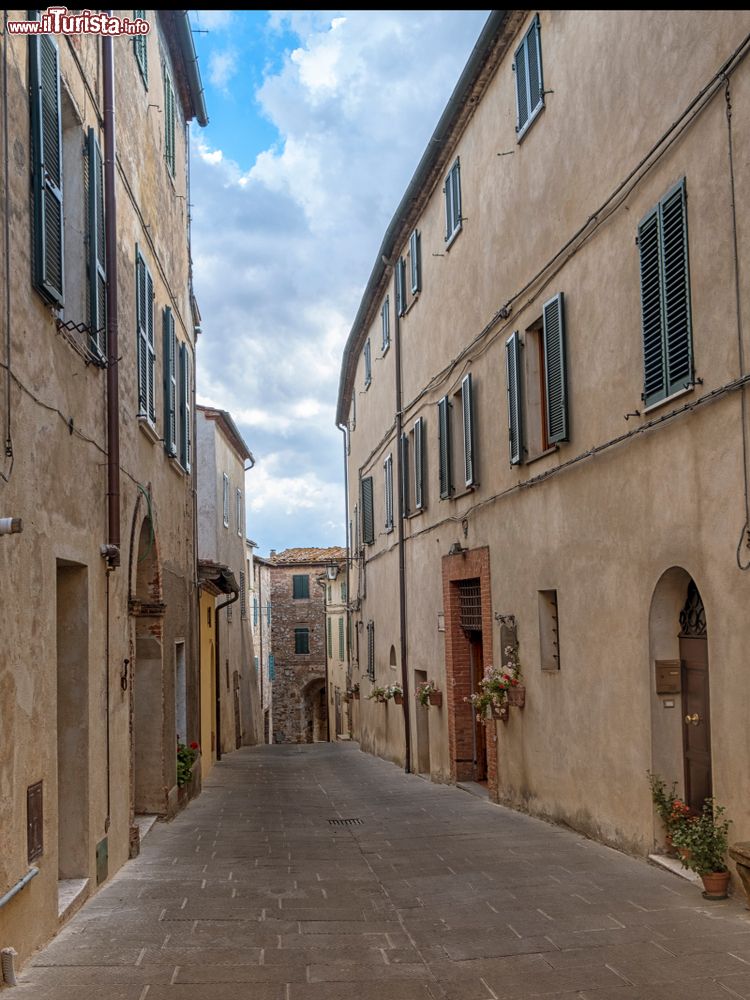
<point>253,893</point>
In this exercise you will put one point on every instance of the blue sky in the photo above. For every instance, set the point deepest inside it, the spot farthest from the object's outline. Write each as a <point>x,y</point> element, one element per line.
<point>317,121</point>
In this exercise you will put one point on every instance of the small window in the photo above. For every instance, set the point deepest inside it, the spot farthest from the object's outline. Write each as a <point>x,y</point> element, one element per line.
<point>368,364</point>
<point>371,650</point>
<point>527,66</point>
<point>302,641</point>
<point>169,122</point>
<point>388,492</point>
<point>415,262</point>
<point>385,321</point>
<point>453,202</point>
<point>328,593</point>
<point>208,615</point>
<point>140,47</point>
<point>451,440</point>
<point>549,633</point>
<point>226,499</point>
<point>300,587</point>
<point>240,512</point>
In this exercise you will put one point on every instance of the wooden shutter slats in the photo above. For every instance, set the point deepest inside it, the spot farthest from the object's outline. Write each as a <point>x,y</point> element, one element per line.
<point>368,513</point>
<point>418,464</point>
<point>467,403</point>
<point>555,370</point>
<point>513,380</point>
<point>444,448</point>
<point>46,127</point>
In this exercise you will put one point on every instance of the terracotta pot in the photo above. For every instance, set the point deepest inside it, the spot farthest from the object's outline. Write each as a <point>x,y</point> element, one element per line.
<point>716,885</point>
<point>517,696</point>
<point>436,698</point>
<point>399,699</point>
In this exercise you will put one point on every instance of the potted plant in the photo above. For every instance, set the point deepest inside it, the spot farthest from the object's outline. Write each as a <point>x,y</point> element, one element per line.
<point>377,694</point>
<point>491,701</point>
<point>428,693</point>
<point>355,691</point>
<point>396,692</point>
<point>516,690</point>
<point>705,838</point>
<point>671,809</point>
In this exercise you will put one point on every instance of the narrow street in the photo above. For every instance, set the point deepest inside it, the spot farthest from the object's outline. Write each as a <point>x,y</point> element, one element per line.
<point>322,873</point>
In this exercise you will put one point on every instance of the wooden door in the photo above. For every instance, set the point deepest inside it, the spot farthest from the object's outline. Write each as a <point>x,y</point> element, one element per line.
<point>696,727</point>
<point>480,729</point>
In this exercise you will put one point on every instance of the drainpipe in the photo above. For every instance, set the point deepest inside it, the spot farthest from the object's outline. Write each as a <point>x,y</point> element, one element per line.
<point>401,560</point>
<point>343,429</point>
<point>219,607</point>
<point>112,551</point>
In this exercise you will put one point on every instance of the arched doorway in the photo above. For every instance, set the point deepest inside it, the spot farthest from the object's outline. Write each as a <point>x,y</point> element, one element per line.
<point>679,682</point>
<point>314,712</point>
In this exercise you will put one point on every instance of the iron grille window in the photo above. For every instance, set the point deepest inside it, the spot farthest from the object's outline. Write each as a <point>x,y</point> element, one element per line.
<point>470,599</point>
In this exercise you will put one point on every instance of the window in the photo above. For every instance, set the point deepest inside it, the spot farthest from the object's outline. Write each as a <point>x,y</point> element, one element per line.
<point>170,383</point>
<point>169,122</point>
<point>255,612</point>
<point>47,170</point>
<point>453,202</point>
<point>368,364</point>
<point>467,409</point>
<point>388,492</point>
<point>368,513</point>
<point>549,634</point>
<point>97,268</point>
<point>186,408</point>
<point>444,448</point>
<point>329,637</point>
<point>405,491</point>
<point>536,374</point>
<point>447,445</point>
<point>415,262</point>
<point>385,322</point>
<point>302,641</point>
<point>225,481</point>
<point>343,592</point>
<point>665,298</point>
<point>271,666</point>
<point>239,510</point>
<point>243,596</point>
<point>300,587</point>
<point>401,286</point>
<point>371,650</point>
<point>144,293</point>
<point>527,66</point>
<point>418,463</point>
<point>342,649</point>
<point>140,47</point>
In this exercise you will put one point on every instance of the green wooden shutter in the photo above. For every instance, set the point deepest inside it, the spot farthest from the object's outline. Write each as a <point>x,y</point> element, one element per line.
<point>444,448</point>
<point>405,475</point>
<point>97,257</point>
<point>401,286</point>
<point>522,94</point>
<point>388,491</point>
<point>467,401</point>
<point>186,410</point>
<point>271,667</point>
<point>47,179</point>
<point>555,377</point>
<point>676,281</point>
<point>151,346</point>
<point>170,383</point>
<point>342,649</point>
<point>419,463</point>
<point>142,333</point>
<point>368,364</point>
<point>140,47</point>
<point>415,260</point>
<point>368,513</point>
<point>654,377</point>
<point>329,637</point>
<point>534,66</point>
<point>371,650</point>
<point>515,411</point>
<point>169,122</point>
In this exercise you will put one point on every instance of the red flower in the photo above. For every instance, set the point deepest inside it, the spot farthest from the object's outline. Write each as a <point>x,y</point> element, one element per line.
<point>194,746</point>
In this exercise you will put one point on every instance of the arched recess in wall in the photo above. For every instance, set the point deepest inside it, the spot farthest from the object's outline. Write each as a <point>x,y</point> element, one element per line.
<point>314,712</point>
<point>144,572</point>
<point>679,686</point>
<point>392,659</point>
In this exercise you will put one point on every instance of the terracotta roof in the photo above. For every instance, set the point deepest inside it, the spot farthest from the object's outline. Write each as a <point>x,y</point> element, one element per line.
<point>335,552</point>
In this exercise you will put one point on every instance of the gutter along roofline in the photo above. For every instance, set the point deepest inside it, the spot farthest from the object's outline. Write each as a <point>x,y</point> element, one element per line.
<point>491,46</point>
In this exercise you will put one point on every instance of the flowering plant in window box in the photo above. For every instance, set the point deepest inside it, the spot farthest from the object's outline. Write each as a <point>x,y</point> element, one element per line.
<point>396,692</point>
<point>428,693</point>
<point>499,688</point>
<point>377,694</point>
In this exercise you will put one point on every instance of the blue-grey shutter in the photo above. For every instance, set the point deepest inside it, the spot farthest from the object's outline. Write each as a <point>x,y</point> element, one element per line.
<point>46,128</point>
<point>368,514</point>
<point>405,475</point>
<point>368,364</point>
<point>467,401</point>
<point>418,463</point>
<point>534,66</point>
<point>388,491</point>
<point>676,280</point>
<point>654,382</point>
<point>555,376</point>
<point>255,611</point>
<point>170,383</point>
<point>415,260</point>
<point>97,257</point>
<point>401,286</point>
<point>186,409</point>
<point>385,322</point>
<point>515,412</point>
<point>522,96</point>
<point>444,448</point>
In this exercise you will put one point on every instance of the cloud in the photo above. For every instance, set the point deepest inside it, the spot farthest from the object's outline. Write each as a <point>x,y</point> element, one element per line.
<point>283,245</point>
<point>222,66</point>
<point>215,20</point>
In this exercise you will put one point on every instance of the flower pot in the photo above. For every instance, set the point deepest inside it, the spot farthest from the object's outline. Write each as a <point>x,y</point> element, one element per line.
<point>497,713</point>
<point>517,696</point>
<point>715,885</point>
<point>436,698</point>
<point>399,699</point>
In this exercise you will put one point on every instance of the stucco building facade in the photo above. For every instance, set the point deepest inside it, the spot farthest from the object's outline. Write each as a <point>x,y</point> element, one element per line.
<point>544,395</point>
<point>259,573</point>
<point>99,670</point>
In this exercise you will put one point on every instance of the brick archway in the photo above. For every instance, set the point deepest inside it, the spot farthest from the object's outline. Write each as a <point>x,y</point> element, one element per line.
<point>471,564</point>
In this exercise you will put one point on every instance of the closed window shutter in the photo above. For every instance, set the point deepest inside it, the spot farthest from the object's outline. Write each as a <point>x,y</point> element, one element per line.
<point>522,94</point>
<point>46,126</point>
<point>677,319</point>
<point>255,612</point>
<point>271,667</point>
<point>151,366</point>
<point>329,637</point>
<point>342,650</point>
<point>243,596</point>
<point>401,286</point>
<point>97,258</point>
<point>268,613</point>
<point>169,122</point>
<point>388,483</point>
<point>467,400</point>
<point>186,415</point>
<point>140,47</point>
<point>385,320</point>
<point>415,258</point>
<point>240,512</point>
<point>368,513</point>
<point>555,370</point>
<point>405,475</point>
<point>225,499</point>
<point>368,364</point>
<point>444,447</point>
<point>170,383</point>
<point>534,62</point>
<point>145,328</point>
<point>418,463</point>
<point>515,413</point>
<point>654,381</point>
<point>529,77</point>
<point>371,650</point>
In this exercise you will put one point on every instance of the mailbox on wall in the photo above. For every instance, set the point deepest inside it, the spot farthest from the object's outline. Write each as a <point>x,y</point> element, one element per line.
<point>668,676</point>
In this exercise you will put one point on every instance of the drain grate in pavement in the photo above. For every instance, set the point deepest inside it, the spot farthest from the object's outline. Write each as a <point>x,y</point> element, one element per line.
<point>345,822</point>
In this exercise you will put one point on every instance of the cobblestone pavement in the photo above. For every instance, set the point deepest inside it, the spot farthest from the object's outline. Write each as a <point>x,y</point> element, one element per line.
<point>253,893</point>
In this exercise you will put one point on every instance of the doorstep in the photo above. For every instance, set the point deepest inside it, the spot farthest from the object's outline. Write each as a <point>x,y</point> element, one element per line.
<point>675,866</point>
<point>71,893</point>
<point>475,788</point>
<point>144,822</point>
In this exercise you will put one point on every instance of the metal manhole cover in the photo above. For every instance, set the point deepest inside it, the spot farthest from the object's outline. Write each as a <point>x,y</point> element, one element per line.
<point>345,822</point>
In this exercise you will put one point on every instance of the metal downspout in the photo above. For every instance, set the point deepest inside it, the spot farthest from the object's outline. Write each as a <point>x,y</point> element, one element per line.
<point>217,609</point>
<point>110,238</point>
<point>344,431</point>
<point>401,561</point>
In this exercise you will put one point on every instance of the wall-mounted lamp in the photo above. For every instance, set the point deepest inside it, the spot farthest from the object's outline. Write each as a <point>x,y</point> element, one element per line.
<point>332,571</point>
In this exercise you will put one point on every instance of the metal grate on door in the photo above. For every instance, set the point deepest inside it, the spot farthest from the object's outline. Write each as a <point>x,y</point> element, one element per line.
<point>470,596</point>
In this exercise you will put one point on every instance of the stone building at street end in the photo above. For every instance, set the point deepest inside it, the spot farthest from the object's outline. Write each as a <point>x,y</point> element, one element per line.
<point>299,581</point>
<point>229,687</point>
<point>259,574</point>
<point>100,637</point>
<point>544,392</point>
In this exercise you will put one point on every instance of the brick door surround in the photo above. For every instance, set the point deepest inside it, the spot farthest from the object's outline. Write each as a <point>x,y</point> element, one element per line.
<point>466,565</point>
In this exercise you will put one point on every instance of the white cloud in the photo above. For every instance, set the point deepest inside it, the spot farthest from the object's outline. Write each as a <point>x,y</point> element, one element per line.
<point>215,20</point>
<point>222,66</point>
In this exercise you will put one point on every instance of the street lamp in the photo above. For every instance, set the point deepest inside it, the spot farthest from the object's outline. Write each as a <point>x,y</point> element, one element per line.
<point>332,571</point>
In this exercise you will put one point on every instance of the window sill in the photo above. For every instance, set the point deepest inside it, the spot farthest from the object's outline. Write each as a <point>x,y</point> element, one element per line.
<point>542,454</point>
<point>149,429</point>
<point>453,236</point>
<point>414,513</point>
<point>530,121</point>
<point>176,465</point>
<point>668,399</point>
<point>467,491</point>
